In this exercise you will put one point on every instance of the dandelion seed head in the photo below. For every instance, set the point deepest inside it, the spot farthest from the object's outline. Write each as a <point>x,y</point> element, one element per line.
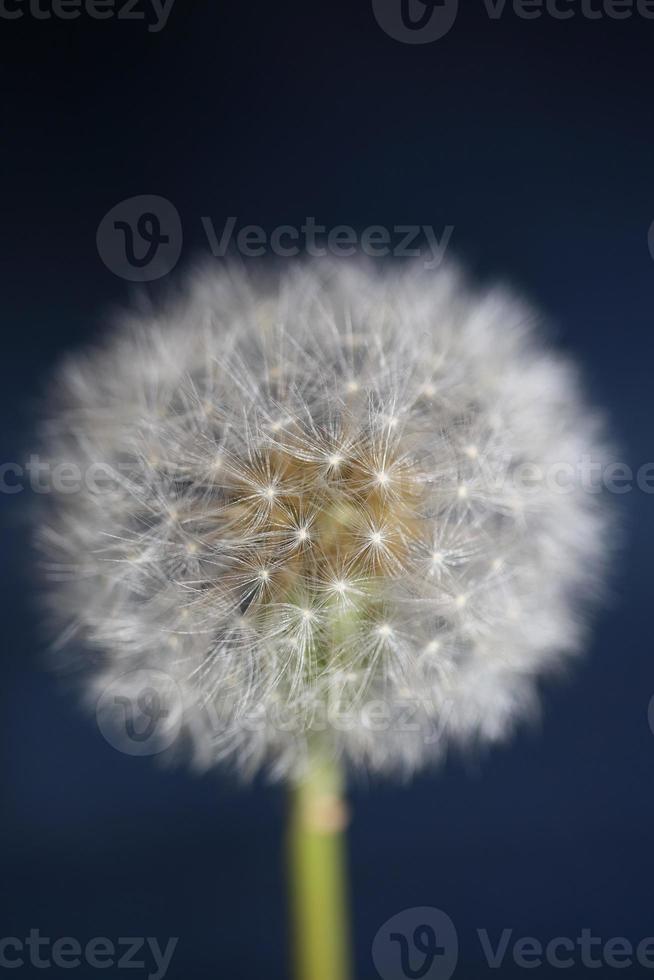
<point>299,513</point>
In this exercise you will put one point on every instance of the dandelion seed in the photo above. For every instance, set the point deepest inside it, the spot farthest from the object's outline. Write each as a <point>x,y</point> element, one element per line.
<point>295,515</point>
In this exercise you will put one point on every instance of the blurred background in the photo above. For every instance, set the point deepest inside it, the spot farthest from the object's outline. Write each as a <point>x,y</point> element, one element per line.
<point>531,141</point>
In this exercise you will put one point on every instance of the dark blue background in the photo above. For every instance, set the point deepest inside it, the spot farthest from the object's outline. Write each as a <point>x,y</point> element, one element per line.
<point>534,139</point>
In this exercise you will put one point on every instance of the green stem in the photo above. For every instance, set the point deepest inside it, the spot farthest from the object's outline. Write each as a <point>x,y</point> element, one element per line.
<point>317,864</point>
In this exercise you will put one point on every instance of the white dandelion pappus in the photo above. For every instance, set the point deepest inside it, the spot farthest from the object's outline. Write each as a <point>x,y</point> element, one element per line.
<point>314,505</point>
